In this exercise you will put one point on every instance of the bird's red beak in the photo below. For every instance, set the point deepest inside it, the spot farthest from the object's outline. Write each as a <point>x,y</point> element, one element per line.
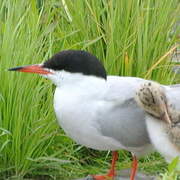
<point>36,68</point>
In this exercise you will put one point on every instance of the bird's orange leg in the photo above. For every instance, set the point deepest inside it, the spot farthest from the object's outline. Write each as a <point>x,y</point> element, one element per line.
<point>134,167</point>
<point>111,174</point>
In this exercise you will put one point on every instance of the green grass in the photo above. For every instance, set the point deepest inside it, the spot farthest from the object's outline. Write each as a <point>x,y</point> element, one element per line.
<point>132,38</point>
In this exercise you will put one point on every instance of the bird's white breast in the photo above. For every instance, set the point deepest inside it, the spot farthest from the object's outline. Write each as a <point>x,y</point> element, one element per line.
<point>77,114</point>
<point>160,139</point>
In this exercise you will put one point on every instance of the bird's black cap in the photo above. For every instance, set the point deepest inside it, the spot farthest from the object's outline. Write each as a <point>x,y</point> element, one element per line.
<point>76,61</point>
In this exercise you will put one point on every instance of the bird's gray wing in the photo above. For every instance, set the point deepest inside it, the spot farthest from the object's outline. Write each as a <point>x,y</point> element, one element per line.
<point>120,117</point>
<point>173,95</point>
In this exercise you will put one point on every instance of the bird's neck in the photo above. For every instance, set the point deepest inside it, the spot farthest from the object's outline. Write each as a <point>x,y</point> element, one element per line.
<point>83,83</point>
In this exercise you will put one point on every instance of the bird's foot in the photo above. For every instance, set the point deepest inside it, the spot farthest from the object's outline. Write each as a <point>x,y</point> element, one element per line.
<point>104,177</point>
<point>112,173</point>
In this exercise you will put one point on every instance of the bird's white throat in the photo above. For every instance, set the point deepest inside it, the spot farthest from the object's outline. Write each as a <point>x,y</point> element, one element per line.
<point>76,80</point>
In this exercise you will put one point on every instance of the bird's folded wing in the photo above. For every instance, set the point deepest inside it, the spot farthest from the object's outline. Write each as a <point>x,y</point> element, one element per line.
<point>120,116</point>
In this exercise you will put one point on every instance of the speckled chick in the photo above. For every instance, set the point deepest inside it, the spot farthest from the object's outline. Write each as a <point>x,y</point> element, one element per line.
<point>162,119</point>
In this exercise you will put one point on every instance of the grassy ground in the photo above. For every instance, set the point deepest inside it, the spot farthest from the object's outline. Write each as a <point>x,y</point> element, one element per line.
<point>132,38</point>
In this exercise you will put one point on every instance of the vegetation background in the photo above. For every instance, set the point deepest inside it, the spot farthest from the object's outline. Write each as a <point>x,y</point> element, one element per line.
<point>131,37</point>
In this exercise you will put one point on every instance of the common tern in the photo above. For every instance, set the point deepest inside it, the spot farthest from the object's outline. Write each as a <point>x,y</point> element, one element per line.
<point>96,110</point>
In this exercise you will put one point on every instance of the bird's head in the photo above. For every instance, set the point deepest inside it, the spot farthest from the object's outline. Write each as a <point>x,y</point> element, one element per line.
<point>152,98</point>
<point>68,63</point>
